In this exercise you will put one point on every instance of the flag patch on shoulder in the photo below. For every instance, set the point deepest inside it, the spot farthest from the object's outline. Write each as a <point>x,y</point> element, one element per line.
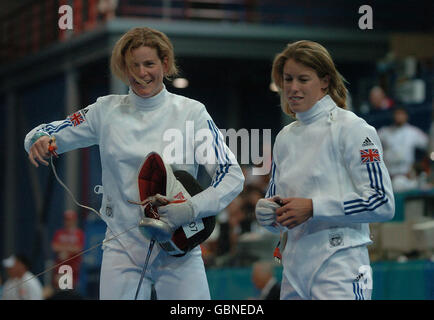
<point>369,155</point>
<point>76,118</point>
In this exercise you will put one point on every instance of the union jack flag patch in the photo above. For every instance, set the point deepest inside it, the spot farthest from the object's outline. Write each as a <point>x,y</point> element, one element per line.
<point>370,155</point>
<point>76,118</point>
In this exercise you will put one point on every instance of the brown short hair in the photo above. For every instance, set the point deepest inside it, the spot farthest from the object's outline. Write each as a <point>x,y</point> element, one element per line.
<point>315,56</point>
<point>135,38</point>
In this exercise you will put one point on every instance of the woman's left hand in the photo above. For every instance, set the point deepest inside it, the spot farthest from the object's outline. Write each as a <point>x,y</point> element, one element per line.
<point>294,211</point>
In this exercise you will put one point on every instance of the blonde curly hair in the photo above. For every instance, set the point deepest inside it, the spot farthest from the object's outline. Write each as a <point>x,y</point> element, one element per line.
<point>121,58</point>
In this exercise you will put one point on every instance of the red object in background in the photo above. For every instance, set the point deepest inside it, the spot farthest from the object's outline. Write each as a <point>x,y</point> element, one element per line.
<point>78,16</point>
<point>69,238</point>
<point>92,14</point>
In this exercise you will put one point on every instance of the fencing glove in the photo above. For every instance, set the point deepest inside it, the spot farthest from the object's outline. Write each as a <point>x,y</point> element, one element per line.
<point>266,213</point>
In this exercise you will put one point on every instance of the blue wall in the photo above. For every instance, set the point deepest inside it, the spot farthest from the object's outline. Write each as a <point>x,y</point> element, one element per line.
<point>412,280</point>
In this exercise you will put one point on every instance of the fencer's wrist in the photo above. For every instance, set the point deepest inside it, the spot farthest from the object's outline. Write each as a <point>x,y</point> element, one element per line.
<point>192,211</point>
<point>38,135</point>
<point>197,212</point>
<point>187,215</point>
<point>274,228</point>
<point>177,214</point>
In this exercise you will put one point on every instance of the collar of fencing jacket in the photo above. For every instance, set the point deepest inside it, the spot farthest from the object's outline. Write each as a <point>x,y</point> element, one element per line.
<point>319,109</point>
<point>148,103</point>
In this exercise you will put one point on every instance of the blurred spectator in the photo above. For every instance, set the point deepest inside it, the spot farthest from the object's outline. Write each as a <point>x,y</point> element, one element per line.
<point>107,9</point>
<point>400,141</point>
<point>21,283</point>
<point>251,195</point>
<point>237,220</point>
<point>209,247</point>
<point>221,248</point>
<point>379,100</point>
<point>66,243</point>
<point>232,227</point>
<point>260,181</point>
<point>264,280</point>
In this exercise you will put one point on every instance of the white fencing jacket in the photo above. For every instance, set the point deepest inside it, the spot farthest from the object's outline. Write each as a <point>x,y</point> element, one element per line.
<point>333,157</point>
<point>126,128</point>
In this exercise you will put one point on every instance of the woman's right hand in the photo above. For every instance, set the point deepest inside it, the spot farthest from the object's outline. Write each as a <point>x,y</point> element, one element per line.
<point>39,150</point>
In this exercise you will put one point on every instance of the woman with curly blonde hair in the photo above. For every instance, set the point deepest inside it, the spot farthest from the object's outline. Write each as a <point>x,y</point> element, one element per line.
<point>127,128</point>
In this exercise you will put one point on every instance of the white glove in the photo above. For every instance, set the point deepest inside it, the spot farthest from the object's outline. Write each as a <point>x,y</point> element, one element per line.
<point>177,214</point>
<point>266,214</point>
